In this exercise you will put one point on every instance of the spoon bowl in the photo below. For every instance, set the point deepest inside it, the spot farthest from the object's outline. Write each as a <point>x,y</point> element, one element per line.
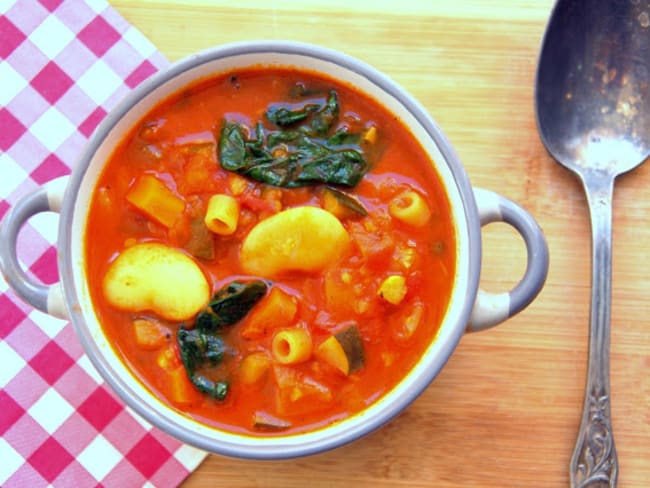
<point>593,85</point>
<point>592,99</point>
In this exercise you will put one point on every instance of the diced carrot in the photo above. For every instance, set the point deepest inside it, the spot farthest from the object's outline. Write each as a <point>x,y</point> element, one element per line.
<point>179,387</point>
<point>277,309</point>
<point>150,334</point>
<point>253,367</point>
<point>258,204</point>
<point>156,200</point>
<point>198,174</point>
<point>340,294</point>
<point>167,359</point>
<point>298,393</point>
<point>376,246</point>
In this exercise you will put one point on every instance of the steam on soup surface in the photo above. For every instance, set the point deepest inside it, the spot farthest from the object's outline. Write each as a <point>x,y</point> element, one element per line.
<point>270,251</point>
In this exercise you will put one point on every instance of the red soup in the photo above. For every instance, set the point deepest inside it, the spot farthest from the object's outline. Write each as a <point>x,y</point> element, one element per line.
<point>270,251</point>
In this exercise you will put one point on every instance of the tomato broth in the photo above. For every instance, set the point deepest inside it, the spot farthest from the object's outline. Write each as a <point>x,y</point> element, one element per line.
<point>320,331</point>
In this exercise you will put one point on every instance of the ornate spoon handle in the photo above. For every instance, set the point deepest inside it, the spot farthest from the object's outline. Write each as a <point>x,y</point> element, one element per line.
<point>594,463</point>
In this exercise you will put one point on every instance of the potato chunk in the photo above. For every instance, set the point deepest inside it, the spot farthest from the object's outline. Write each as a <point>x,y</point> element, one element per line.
<point>157,278</point>
<point>296,239</point>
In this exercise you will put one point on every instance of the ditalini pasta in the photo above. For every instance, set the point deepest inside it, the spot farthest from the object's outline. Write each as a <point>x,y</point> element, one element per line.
<point>411,208</point>
<point>222,214</point>
<point>270,251</point>
<point>292,346</point>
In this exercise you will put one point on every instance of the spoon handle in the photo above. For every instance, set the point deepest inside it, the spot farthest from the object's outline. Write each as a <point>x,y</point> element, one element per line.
<point>594,463</point>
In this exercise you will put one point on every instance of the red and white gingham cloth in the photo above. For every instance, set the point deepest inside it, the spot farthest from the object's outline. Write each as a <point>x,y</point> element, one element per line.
<point>63,65</point>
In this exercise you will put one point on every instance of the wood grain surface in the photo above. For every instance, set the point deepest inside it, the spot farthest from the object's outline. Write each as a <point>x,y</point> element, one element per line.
<point>505,410</point>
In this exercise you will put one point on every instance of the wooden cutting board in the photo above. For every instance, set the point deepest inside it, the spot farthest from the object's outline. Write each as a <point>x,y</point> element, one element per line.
<point>505,410</point>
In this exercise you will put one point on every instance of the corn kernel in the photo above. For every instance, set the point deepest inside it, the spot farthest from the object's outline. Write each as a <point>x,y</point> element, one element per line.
<point>370,135</point>
<point>393,289</point>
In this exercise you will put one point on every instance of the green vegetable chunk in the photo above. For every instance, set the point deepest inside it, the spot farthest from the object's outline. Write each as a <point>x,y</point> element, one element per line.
<point>350,340</point>
<point>343,350</point>
<point>348,201</point>
<point>201,348</point>
<point>308,148</point>
<point>234,301</point>
<point>284,117</point>
<point>196,349</point>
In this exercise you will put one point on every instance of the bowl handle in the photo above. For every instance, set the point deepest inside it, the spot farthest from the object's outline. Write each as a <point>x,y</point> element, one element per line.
<point>47,298</point>
<point>493,308</point>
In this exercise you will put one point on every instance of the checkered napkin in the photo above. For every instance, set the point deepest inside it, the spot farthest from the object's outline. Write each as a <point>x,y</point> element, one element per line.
<point>63,65</point>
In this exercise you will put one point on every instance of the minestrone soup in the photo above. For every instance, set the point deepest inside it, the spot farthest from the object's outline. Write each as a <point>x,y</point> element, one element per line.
<point>270,251</point>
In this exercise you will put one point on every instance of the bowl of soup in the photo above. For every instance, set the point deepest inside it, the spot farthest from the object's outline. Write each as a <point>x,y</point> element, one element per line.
<point>270,250</point>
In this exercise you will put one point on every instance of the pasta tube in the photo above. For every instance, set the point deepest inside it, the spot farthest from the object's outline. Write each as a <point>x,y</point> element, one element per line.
<point>292,346</point>
<point>222,215</point>
<point>410,208</point>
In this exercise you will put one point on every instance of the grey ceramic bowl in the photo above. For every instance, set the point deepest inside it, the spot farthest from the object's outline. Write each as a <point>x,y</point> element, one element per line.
<point>470,308</point>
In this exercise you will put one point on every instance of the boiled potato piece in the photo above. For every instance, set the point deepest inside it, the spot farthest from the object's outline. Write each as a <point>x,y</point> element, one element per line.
<point>154,277</point>
<point>296,239</point>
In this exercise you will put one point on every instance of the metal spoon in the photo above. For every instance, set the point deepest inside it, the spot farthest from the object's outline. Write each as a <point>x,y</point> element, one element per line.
<point>593,112</point>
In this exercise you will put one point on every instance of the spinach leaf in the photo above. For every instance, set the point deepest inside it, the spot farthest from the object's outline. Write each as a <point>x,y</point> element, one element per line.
<point>326,117</point>
<point>343,137</point>
<point>284,117</point>
<point>216,389</point>
<point>196,349</point>
<point>231,304</point>
<point>201,347</point>
<point>232,146</point>
<point>305,147</point>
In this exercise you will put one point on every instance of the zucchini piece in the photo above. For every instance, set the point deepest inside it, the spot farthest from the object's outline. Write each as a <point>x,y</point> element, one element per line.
<point>343,350</point>
<point>342,204</point>
<point>201,241</point>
